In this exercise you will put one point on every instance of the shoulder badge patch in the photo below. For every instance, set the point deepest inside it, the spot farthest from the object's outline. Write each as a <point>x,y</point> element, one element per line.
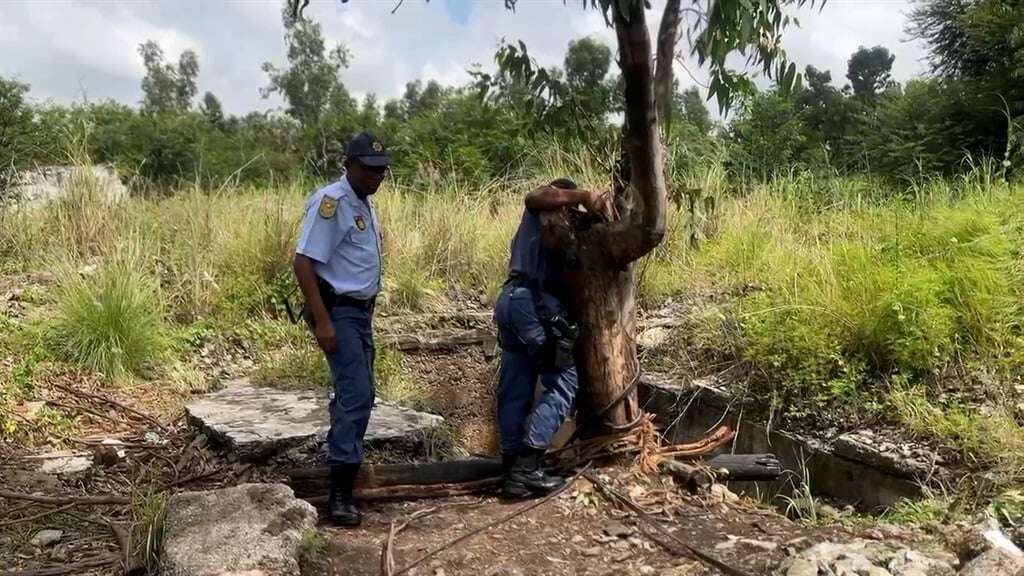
<point>360,223</point>
<point>328,207</point>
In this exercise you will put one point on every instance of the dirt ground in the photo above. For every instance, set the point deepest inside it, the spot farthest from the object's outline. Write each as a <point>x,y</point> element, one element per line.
<point>580,532</point>
<point>459,385</point>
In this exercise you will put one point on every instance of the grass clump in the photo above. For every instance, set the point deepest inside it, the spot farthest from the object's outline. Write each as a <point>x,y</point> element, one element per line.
<point>110,320</point>
<point>301,368</point>
<point>393,381</point>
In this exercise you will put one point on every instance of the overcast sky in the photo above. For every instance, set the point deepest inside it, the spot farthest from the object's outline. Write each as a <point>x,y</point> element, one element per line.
<point>71,50</point>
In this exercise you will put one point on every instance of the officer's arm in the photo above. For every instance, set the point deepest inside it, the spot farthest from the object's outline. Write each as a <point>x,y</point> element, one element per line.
<point>306,277</point>
<point>549,198</point>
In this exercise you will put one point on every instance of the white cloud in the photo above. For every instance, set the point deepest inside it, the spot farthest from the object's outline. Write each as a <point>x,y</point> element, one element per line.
<point>61,47</point>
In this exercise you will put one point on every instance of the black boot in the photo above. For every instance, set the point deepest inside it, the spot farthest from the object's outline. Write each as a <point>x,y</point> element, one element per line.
<point>508,460</point>
<point>341,505</point>
<point>526,476</point>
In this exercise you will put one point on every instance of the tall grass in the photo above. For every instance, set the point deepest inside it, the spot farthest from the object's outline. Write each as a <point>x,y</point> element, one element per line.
<point>110,320</point>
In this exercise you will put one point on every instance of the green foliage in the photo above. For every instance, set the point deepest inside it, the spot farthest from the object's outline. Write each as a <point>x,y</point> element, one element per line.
<point>393,383</point>
<point>111,320</point>
<point>312,544</point>
<point>848,299</point>
<point>769,135</point>
<point>17,131</point>
<point>870,71</point>
<point>166,87</point>
<point>149,514</point>
<point>936,508</point>
<point>300,368</point>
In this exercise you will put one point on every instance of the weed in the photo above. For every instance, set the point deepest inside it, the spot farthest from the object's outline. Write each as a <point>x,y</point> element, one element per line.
<point>149,513</point>
<point>312,543</point>
<point>393,382</point>
<point>303,368</point>
<point>110,321</point>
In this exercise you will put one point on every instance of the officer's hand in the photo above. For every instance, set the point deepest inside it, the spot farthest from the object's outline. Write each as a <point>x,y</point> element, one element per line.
<point>600,202</point>
<point>326,337</point>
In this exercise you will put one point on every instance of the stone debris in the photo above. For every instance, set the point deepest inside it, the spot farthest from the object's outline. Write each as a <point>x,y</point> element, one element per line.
<point>65,462</point>
<point>994,562</point>
<point>259,422</point>
<point>50,183</point>
<point>249,527</point>
<point>866,558</point>
<point>45,538</point>
<point>653,338</point>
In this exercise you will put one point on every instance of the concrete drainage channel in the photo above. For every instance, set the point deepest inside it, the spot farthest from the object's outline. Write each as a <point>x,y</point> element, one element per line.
<point>855,468</point>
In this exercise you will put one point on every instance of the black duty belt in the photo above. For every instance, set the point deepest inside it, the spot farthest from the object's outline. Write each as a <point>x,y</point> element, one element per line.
<point>341,300</point>
<point>332,300</point>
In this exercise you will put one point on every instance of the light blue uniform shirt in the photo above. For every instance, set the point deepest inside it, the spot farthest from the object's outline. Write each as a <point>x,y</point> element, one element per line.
<point>346,245</point>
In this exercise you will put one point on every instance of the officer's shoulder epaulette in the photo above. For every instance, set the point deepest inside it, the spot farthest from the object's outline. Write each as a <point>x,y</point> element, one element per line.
<point>329,198</point>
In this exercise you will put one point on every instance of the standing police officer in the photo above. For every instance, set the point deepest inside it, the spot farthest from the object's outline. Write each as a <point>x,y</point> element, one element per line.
<point>537,338</point>
<point>337,265</point>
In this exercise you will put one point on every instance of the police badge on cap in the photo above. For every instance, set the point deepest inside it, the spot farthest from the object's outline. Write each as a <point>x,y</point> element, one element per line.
<point>366,148</point>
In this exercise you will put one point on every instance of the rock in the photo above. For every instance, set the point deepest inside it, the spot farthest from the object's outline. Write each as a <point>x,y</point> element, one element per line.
<point>802,567</point>
<point>592,551</point>
<point>577,539</point>
<point>647,571</point>
<point>866,558</point>
<point>231,530</point>
<point>829,511</point>
<point>994,535</point>
<point>45,538</point>
<point>65,463</point>
<point>260,422</point>
<point>653,339</point>
<point>994,562</point>
<point>719,493</point>
<point>617,530</point>
<point>50,183</point>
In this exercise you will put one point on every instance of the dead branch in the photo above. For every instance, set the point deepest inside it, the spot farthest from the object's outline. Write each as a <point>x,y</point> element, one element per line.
<point>78,408</point>
<point>77,568</point>
<point>62,500</point>
<point>131,564</point>
<point>387,560</point>
<point>112,402</point>
<point>614,495</point>
<point>490,525</point>
<point>37,516</point>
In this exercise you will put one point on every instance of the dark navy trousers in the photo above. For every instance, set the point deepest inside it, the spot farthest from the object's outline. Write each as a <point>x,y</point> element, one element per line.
<point>352,390</point>
<point>521,421</point>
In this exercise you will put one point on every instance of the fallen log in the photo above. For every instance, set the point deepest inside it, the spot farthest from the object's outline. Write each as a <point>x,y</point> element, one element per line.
<point>692,477</point>
<point>448,341</point>
<point>417,491</point>
<point>310,482</point>
<point>724,467</point>
<point>746,467</point>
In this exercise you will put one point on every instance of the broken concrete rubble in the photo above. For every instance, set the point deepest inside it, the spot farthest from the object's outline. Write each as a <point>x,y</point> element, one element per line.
<point>862,557</point>
<point>259,422</point>
<point>255,527</point>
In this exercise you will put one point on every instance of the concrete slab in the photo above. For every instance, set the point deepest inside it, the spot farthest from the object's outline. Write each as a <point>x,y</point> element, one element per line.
<point>257,422</point>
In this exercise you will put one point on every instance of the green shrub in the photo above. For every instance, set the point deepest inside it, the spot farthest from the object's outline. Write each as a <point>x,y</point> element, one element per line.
<point>111,320</point>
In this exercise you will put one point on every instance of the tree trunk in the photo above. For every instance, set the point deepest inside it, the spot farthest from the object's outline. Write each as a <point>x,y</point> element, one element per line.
<point>668,34</point>
<point>601,255</point>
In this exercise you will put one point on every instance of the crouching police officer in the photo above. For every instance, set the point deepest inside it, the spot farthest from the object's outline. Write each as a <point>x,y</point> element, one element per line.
<point>537,338</point>
<point>337,265</point>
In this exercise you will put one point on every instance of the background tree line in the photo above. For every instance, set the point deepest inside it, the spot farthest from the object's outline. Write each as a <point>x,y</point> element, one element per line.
<point>969,107</point>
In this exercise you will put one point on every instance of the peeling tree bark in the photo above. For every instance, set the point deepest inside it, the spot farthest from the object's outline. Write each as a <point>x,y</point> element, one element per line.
<point>668,35</point>
<point>601,255</point>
